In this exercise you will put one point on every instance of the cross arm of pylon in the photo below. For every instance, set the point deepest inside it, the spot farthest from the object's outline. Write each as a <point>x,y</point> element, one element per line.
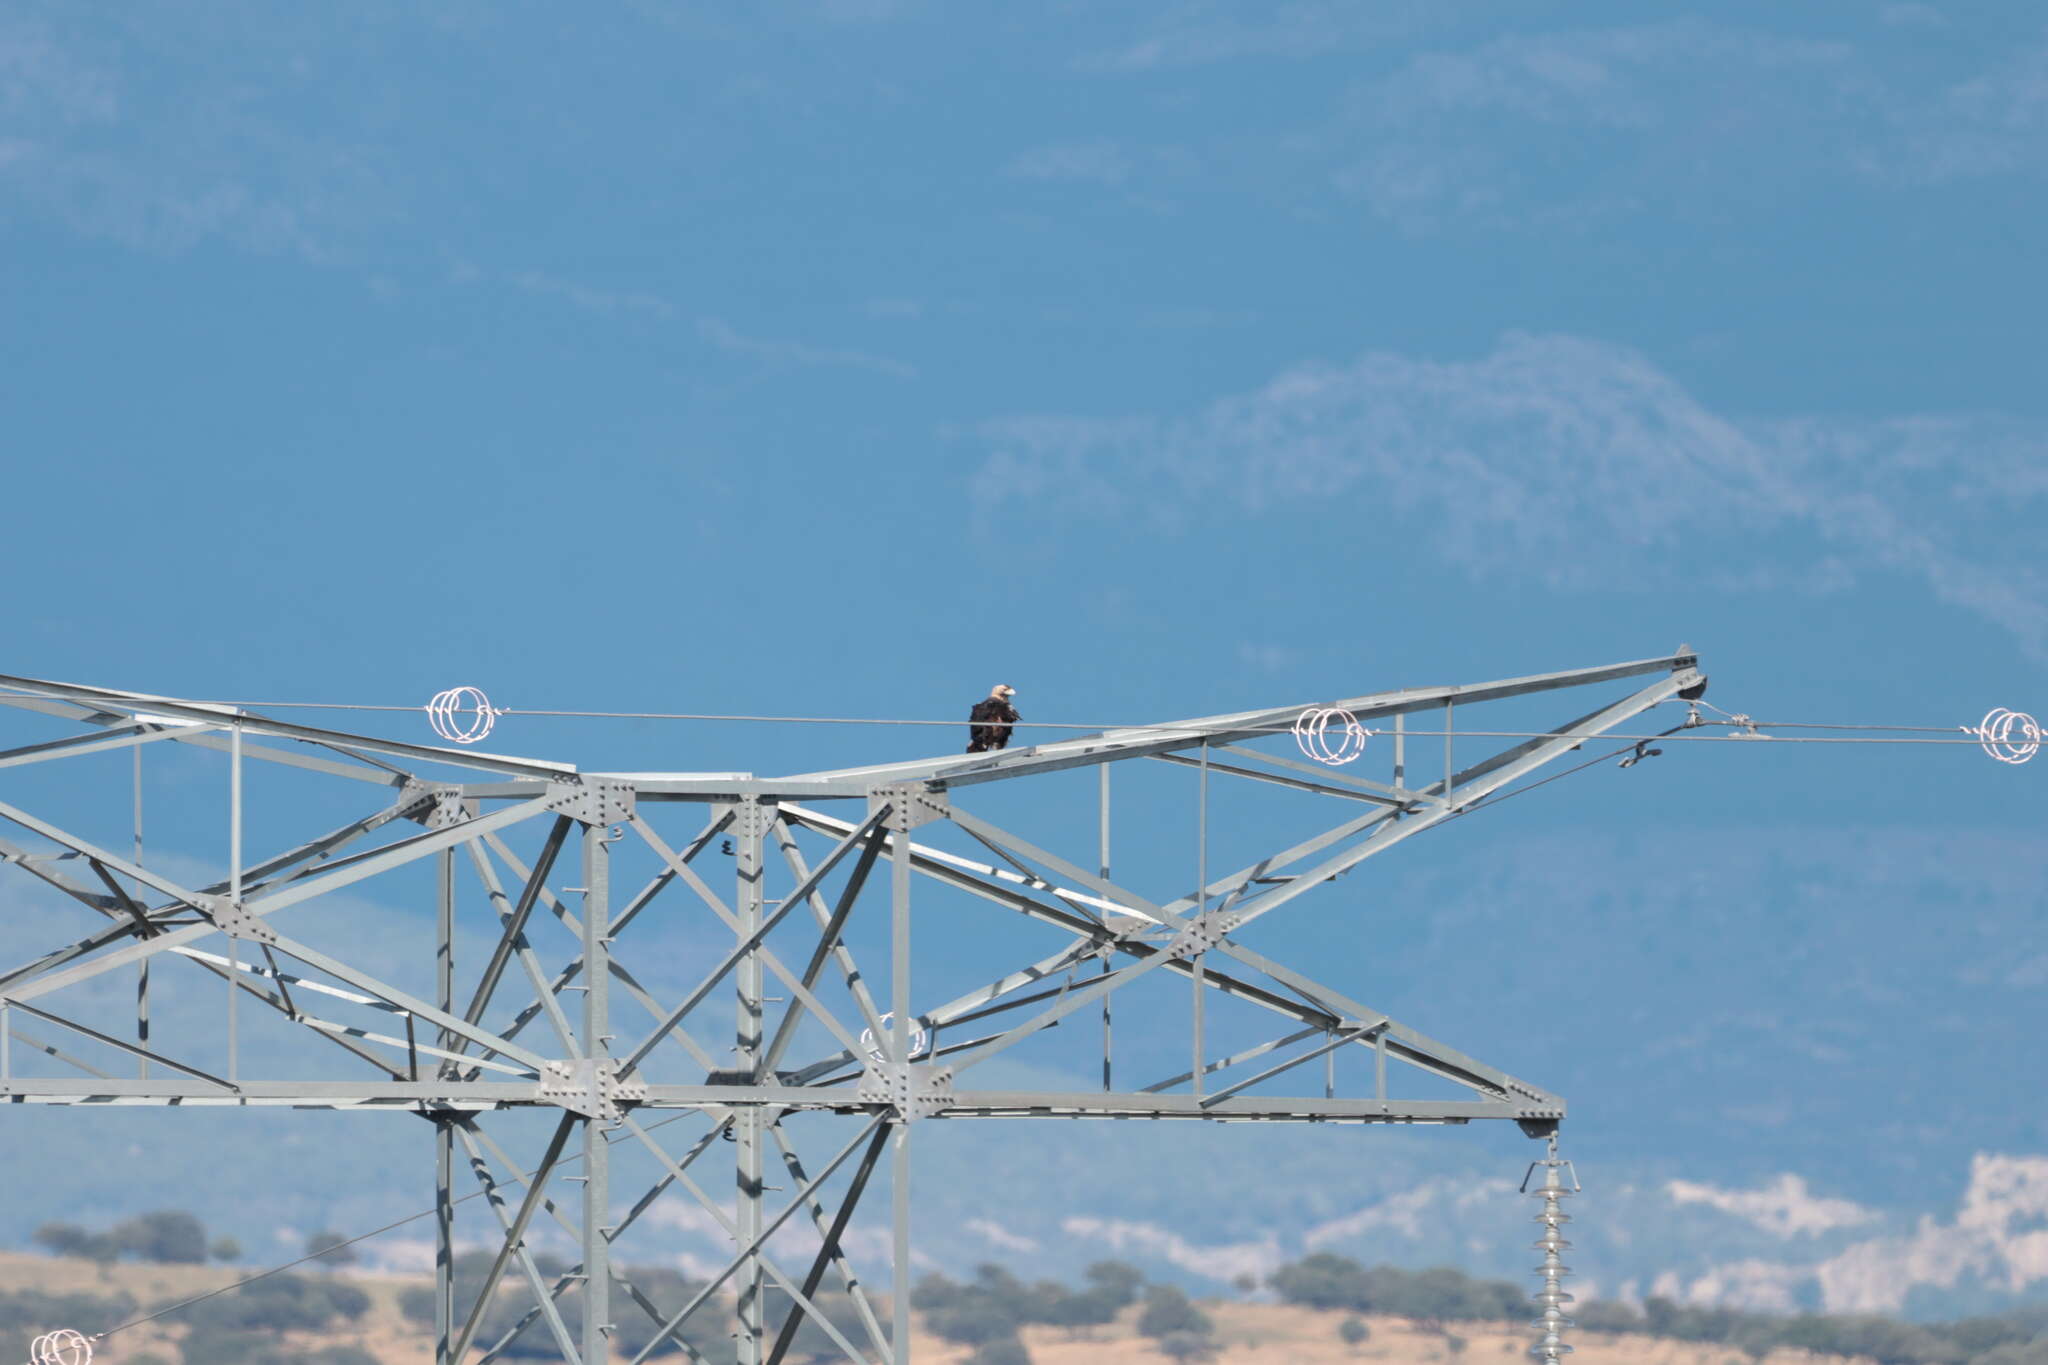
<point>1167,737</point>
<point>137,705</point>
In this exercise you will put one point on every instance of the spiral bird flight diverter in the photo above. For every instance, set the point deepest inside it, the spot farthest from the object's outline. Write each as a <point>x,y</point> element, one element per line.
<point>1559,1181</point>
<point>61,1347</point>
<point>2007,735</point>
<point>462,715</point>
<point>1330,735</point>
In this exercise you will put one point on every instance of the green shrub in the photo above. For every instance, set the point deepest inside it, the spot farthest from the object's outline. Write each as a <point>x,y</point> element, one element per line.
<point>1007,1351</point>
<point>332,1249</point>
<point>1089,1308</point>
<point>1322,1280</point>
<point>1115,1280</point>
<point>974,1321</point>
<point>342,1355</point>
<point>282,1303</point>
<point>1605,1315</point>
<point>1168,1311</point>
<point>167,1236</point>
<point>1187,1346</point>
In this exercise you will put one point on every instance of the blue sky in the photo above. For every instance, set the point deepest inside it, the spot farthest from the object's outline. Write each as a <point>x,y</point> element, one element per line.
<point>1157,358</point>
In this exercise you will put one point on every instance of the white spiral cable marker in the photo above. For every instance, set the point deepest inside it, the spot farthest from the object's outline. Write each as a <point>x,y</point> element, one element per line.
<point>61,1347</point>
<point>919,1040</point>
<point>462,715</point>
<point>2007,735</point>
<point>1312,732</point>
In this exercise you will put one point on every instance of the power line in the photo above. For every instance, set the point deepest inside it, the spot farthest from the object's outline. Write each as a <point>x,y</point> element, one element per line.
<point>1934,734</point>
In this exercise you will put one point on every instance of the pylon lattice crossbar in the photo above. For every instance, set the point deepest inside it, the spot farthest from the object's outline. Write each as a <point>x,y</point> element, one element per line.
<point>545,995</point>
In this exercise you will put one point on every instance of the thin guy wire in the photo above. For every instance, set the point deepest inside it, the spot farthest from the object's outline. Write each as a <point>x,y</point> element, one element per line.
<point>1949,732</point>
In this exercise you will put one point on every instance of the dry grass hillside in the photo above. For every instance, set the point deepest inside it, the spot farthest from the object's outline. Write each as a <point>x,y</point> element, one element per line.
<point>1277,1334</point>
<point>1248,1333</point>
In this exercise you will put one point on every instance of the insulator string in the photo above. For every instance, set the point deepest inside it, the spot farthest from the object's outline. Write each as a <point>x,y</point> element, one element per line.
<point>1551,1299</point>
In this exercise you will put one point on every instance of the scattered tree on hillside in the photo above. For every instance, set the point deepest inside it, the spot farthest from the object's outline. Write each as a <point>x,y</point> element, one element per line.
<point>974,1321</point>
<point>1605,1315</point>
<point>66,1239</point>
<point>1078,1312</point>
<point>1004,1351</point>
<point>247,1326</point>
<point>1974,1341</point>
<point>1167,1310</point>
<point>1329,1281</point>
<point>1112,1287</point>
<point>1116,1280</point>
<point>167,1236</point>
<point>2013,1353</point>
<point>1321,1280</point>
<point>1195,1346</point>
<point>988,1310</point>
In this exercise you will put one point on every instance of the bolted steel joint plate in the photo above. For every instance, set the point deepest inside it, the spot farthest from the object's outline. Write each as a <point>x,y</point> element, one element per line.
<point>239,921</point>
<point>752,819</point>
<point>590,1086</point>
<point>1203,933</point>
<point>910,804</point>
<point>916,1091</point>
<point>592,800</point>
<point>436,807</point>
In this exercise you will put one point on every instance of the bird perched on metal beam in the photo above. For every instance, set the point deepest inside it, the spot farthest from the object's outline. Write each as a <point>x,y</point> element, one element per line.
<point>990,721</point>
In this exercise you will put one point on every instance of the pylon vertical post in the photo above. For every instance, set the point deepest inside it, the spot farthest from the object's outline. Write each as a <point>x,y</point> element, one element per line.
<point>750,1128</point>
<point>597,976</point>
<point>444,1134</point>
<point>899,1050</point>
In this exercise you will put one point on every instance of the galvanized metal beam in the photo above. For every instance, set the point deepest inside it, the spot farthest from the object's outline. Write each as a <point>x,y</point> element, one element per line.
<point>472,1070</point>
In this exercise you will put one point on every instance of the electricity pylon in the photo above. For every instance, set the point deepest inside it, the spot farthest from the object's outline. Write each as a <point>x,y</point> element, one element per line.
<point>808,940</point>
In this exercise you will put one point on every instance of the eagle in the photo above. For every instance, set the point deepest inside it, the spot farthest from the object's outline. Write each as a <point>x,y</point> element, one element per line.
<point>990,721</point>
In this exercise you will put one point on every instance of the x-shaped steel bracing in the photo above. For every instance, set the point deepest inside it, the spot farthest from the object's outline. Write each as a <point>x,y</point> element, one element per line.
<point>824,866</point>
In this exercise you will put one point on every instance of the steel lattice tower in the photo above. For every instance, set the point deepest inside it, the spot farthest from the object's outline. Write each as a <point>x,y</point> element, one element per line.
<point>810,943</point>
